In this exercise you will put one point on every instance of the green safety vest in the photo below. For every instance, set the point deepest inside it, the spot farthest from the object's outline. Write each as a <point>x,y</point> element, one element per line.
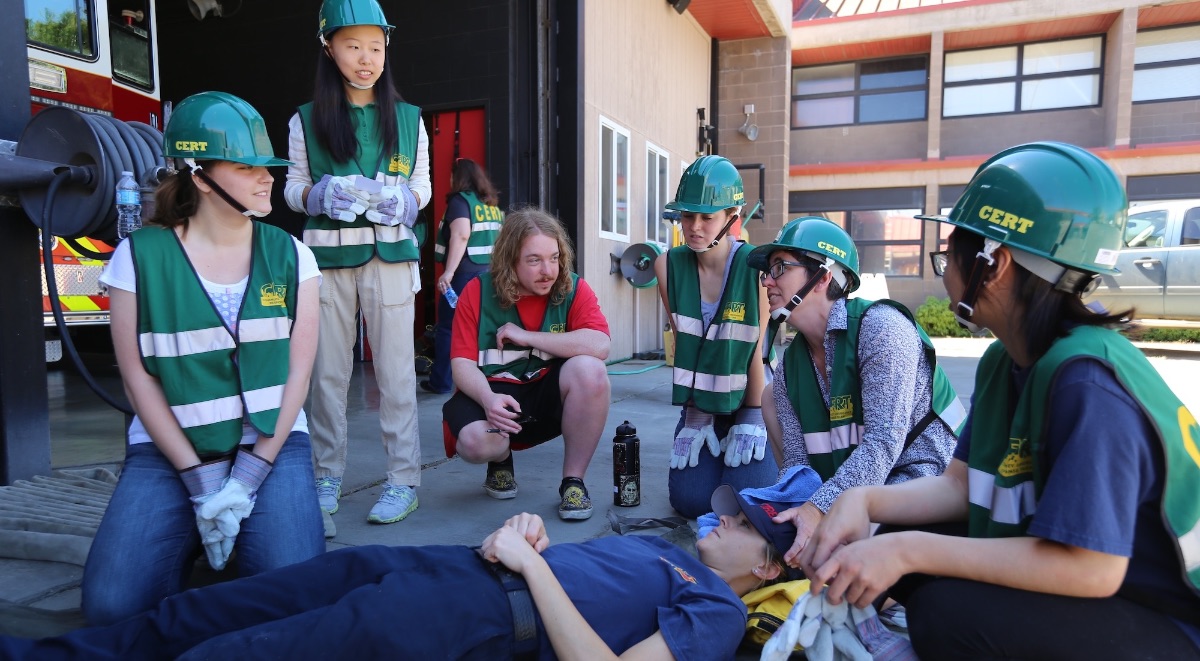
<point>515,363</point>
<point>1006,462</point>
<point>339,245</point>
<point>832,433</point>
<point>711,363</point>
<point>485,222</point>
<point>211,378</point>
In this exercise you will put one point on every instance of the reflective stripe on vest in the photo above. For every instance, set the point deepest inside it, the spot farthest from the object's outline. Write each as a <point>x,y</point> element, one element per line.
<point>713,383</point>
<point>338,244</point>
<point>186,343</point>
<point>838,438</point>
<point>186,346</point>
<point>716,331</point>
<point>1008,505</point>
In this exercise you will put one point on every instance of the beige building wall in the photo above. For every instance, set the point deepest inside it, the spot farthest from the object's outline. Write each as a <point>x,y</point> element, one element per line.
<point>646,71</point>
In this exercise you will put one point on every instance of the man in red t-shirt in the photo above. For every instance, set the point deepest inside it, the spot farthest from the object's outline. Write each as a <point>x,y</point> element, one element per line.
<point>527,351</point>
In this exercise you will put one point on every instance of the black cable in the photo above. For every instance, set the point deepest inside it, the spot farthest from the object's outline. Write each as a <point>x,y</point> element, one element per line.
<point>52,291</point>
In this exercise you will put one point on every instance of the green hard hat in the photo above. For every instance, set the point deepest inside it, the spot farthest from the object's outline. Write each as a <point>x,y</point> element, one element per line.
<point>219,126</point>
<point>817,238</point>
<point>341,13</point>
<point>1050,199</point>
<point>709,184</point>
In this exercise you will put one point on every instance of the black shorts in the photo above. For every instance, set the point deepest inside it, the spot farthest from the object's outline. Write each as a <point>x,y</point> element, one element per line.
<point>542,399</point>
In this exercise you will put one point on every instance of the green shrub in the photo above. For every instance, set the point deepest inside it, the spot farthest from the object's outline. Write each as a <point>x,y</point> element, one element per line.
<point>1161,334</point>
<point>935,317</point>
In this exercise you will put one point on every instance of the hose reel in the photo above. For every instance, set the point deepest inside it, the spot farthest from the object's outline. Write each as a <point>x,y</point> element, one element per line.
<point>65,171</point>
<point>95,149</point>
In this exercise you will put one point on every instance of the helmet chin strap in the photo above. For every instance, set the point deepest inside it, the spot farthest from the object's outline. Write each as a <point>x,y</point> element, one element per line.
<point>720,235</point>
<point>781,315</point>
<point>198,170</point>
<point>966,307</point>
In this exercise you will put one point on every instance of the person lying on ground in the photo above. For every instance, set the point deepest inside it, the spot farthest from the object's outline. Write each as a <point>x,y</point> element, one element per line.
<point>633,596</point>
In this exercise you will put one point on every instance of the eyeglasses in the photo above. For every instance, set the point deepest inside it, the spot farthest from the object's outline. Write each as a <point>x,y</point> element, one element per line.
<point>939,260</point>
<point>776,270</point>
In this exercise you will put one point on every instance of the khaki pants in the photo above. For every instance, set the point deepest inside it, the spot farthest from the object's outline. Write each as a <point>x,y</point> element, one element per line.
<point>384,293</point>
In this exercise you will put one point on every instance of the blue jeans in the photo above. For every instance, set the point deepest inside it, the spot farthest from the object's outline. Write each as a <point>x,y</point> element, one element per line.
<point>147,542</point>
<point>440,378</point>
<point>690,489</point>
<point>364,602</point>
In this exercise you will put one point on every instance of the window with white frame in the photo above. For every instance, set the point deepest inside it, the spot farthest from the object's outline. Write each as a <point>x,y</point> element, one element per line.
<point>614,181</point>
<point>658,193</point>
<point>1166,64</point>
<point>1023,78</point>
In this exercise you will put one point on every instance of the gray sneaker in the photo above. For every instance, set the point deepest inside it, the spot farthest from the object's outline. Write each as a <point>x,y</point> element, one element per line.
<point>394,504</point>
<point>329,489</point>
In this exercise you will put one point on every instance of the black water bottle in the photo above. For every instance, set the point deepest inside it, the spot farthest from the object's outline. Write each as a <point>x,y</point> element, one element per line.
<point>627,467</point>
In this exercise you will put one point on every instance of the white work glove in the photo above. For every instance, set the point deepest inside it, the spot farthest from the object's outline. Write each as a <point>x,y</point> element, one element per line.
<point>392,206</point>
<point>203,481</point>
<point>747,438</point>
<point>697,432</point>
<point>337,198</point>
<point>234,502</point>
<point>826,632</point>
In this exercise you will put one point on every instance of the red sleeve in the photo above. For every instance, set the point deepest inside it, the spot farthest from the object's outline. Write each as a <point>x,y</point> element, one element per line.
<point>464,338</point>
<point>585,310</point>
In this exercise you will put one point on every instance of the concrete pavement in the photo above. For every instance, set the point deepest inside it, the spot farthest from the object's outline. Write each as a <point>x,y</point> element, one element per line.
<point>453,507</point>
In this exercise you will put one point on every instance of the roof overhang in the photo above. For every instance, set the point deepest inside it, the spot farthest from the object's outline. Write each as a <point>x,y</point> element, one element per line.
<point>742,19</point>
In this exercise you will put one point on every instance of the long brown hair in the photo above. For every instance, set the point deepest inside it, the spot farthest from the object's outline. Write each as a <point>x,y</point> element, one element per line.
<point>177,199</point>
<point>467,175</point>
<point>518,226</point>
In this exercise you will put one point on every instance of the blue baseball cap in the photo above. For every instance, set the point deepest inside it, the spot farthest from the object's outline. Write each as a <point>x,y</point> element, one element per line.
<point>727,501</point>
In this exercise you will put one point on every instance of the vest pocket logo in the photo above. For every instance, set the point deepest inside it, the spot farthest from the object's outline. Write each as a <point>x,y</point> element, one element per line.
<point>1191,433</point>
<point>842,408</point>
<point>400,164</point>
<point>734,312</point>
<point>558,328</point>
<point>272,295</point>
<point>1018,460</point>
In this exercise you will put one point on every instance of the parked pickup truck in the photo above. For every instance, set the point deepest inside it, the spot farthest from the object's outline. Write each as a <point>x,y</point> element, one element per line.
<point>1160,263</point>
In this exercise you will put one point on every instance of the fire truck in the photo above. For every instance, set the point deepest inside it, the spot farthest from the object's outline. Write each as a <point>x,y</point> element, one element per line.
<point>93,56</point>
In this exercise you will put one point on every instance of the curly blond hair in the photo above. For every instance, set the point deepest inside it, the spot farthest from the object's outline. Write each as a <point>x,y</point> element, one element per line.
<point>518,226</point>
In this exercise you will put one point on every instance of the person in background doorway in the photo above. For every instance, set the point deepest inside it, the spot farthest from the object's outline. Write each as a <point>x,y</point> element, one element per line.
<point>716,308</point>
<point>361,173</point>
<point>529,347</point>
<point>464,244</point>
<point>1066,526</point>
<point>214,328</point>
<point>859,395</point>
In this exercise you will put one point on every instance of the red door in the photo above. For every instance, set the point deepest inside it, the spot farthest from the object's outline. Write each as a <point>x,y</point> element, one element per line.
<point>452,134</point>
